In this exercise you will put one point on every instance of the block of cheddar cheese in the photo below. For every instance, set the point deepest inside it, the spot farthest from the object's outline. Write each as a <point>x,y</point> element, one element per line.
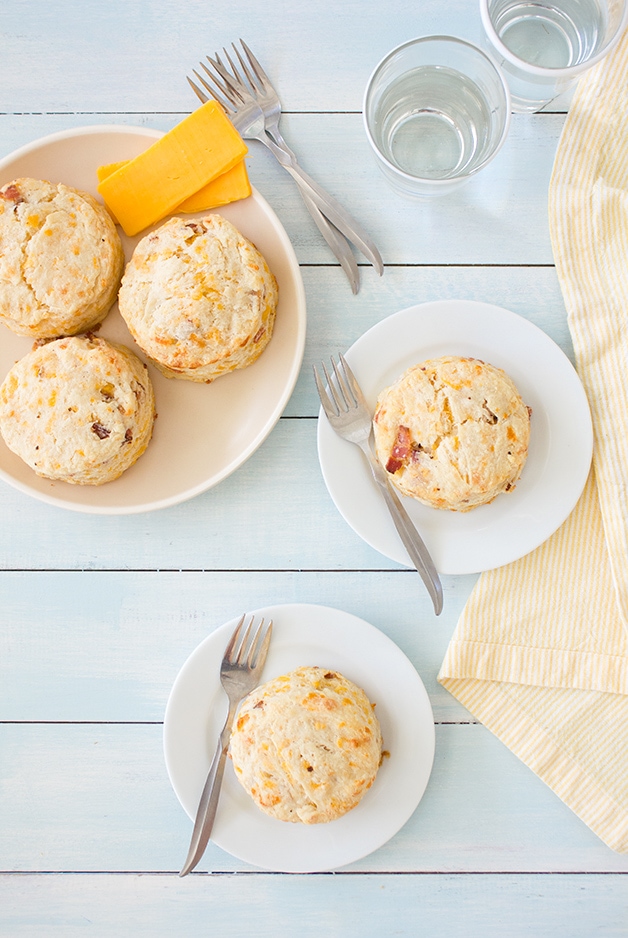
<point>197,150</point>
<point>228,187</point>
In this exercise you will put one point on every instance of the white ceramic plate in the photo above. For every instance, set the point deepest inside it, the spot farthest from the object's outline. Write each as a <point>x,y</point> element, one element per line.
<point>204,432</point>
<point>305,635</point>
<point>561,438</point>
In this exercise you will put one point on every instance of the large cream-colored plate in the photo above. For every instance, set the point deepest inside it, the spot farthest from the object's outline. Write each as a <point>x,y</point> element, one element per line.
<point>561,438</point>
<point>203,432</point>
<point>304,635</point>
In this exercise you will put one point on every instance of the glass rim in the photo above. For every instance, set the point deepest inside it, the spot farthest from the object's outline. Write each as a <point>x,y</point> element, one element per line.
<point>541,71</point>
<point>426,180</point>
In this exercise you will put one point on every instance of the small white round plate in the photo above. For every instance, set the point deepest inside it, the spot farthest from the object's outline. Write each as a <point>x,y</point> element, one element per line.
<point>203,432</point>
<point>305,635</point>
<point>561,438</point>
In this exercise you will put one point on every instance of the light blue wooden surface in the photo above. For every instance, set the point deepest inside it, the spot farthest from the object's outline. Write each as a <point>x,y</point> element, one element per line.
<point>98,614</point>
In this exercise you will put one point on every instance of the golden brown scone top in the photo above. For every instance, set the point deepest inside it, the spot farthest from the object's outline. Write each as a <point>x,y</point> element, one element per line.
<point>61,259</point>
<point>78,409</point>
<point>452,432</point>
<point>307,745</point>
<point>199,298</point>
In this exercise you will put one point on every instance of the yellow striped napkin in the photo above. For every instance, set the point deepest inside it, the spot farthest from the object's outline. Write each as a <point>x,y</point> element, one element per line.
<point>540,653</point>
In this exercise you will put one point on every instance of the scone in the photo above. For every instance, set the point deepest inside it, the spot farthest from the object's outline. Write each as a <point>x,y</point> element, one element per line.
<point>61,259</point>
<point>198,298</point>
<point>78,409</point>
<point>452,432</point>
<point>306,746</point>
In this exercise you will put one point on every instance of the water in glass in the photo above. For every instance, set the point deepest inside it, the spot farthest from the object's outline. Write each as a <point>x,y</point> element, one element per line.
<point>433,122</point>
<point>557,35</point>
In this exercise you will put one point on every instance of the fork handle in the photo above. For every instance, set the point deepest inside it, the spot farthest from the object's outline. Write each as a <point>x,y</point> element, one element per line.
<point>328,205</point>
<point>208,804</point>
<point>412,540</point>
<point>332,210</point>
<point>340,247</point>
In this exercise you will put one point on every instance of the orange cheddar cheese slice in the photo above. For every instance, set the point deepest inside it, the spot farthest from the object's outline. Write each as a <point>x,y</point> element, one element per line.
<point>103,171</point>
<point>228,187</point>
<point>196,151</point>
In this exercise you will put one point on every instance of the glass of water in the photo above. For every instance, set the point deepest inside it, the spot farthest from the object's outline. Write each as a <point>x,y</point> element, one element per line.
<point>436,110</point>
<point>543,46</point>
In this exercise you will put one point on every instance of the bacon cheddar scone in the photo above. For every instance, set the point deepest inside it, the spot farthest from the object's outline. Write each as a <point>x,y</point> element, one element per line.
<point>61,259</point>
<point>198,298</point>
<point>78,409</point>
<point>452,432</point>
<point>306,746</point>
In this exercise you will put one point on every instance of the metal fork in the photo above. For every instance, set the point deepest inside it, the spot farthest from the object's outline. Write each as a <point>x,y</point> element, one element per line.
<point>240,673</point>
<point>348,413</point>
<point>247,117</point>
<point>251,72</point>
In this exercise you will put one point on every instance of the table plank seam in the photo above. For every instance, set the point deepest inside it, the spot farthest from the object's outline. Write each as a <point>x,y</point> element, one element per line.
<point>108,570</point>
<point>334,873</point>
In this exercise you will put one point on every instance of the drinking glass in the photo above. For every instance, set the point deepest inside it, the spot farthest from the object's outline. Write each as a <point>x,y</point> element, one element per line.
<point>436,110</point>
<point>543,46</point>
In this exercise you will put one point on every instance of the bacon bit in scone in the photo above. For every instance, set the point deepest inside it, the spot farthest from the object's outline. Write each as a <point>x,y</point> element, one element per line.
<point>11,193</point>
<point>259,334</point>
<point>330,676</point>
<point>101,432</point>
<point>128,436</point>
<point>196,228</point>
<point>259,705</point>
<point>401,450</point>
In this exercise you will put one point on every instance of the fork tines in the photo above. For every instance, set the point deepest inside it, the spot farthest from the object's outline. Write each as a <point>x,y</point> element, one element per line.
<point>223,87</point>
<point>202,97</point>
<point>253,73</point>
<point>341,395</point>
<point>245,645</point>
<point>260,74</point>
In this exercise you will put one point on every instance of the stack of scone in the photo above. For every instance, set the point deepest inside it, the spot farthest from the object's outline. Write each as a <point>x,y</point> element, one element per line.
<point>197,297</point>
<point>76,408</point>
<point>452,432</point>
<point>307,746</point>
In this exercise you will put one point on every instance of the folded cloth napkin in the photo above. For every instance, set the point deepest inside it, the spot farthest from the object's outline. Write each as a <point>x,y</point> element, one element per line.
<point>540,653</point>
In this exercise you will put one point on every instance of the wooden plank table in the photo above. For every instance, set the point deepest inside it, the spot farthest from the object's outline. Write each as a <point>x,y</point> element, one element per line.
<point>98,613</point>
